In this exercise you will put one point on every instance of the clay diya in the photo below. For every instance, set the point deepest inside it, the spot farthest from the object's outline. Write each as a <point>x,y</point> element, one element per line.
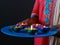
<point>16,28</point>
<point>31,30</point>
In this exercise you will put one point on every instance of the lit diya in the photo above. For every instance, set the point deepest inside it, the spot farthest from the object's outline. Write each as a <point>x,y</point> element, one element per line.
<point>31,30</point>
<point>16,28</point>
<point>22,24</point>
<point>36,25</point>
<point>41,28</point>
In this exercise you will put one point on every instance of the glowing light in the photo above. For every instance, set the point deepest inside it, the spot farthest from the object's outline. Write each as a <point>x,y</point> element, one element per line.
<point>31,27</point>
<point>22,24</point>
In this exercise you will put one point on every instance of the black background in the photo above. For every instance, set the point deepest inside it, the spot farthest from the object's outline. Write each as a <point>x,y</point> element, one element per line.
<point>11,12</point>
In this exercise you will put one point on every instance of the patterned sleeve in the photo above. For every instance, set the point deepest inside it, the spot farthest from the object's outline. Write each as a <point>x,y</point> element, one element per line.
<point>36,8</point>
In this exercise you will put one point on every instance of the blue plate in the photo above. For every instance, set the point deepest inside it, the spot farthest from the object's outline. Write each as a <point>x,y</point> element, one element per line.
<point>6,31</point>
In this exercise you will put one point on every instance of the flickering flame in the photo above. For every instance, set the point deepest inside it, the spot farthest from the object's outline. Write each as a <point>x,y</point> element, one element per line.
<point>44,26</point>
<point>37,24</point>
<point>22,24</point>
<point>31,27</point>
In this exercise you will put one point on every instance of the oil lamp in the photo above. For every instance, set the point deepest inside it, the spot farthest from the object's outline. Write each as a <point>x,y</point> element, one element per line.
<point>31,29</point>
<point>16,28</point>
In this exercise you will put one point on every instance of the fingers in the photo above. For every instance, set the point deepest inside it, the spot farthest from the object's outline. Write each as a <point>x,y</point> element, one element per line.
<point>56,26</point>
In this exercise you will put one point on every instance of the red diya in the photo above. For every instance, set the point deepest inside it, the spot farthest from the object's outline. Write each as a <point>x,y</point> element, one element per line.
<point>36,25</point>
<point>39,25</point>
<point>41,28</point>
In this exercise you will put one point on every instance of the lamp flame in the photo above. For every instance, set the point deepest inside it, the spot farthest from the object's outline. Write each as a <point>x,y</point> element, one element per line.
<point>31,27</point>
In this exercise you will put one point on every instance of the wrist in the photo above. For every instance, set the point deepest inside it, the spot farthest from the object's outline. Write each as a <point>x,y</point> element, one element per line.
<point>33,15</point>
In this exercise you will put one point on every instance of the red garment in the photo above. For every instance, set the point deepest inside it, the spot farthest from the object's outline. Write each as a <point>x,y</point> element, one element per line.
<point>39,10</point>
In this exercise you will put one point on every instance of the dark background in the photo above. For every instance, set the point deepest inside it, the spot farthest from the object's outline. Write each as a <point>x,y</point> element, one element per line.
<point>11,12</point>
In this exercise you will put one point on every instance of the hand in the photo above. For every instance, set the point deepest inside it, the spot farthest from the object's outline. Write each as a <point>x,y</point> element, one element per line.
<point>30,21</point>
<point>56,26</point>
<point>33,20</point>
